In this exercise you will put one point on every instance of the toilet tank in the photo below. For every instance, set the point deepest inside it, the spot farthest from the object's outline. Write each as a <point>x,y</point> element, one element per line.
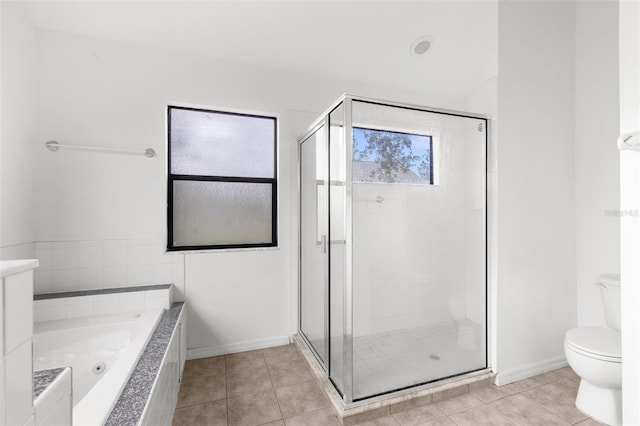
<point>610,291</point>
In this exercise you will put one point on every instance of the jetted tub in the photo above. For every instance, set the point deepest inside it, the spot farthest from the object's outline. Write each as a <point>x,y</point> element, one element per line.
<point>102,352</point>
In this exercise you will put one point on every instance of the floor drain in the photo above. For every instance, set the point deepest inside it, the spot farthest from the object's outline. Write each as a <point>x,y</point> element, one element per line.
<point>99,368</point>
<point>434,357</point>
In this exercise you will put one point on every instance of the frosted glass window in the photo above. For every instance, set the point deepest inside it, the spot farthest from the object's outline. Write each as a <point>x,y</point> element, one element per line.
<point>221,143</point>
<point>222,188</point>
<point>222,213</point>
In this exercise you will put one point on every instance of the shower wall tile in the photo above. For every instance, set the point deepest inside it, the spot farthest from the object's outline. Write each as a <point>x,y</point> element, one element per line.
<point>91,278</point>
<point>64,280</point>
<point>112,263</point>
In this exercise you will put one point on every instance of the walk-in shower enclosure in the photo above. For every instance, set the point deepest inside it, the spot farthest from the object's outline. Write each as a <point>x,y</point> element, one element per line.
<point>393,258</point>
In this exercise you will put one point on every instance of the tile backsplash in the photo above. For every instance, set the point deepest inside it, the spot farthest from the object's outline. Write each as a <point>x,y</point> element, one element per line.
<point>97,264</point>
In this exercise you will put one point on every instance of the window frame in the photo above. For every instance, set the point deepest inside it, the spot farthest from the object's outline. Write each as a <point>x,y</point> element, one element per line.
<point>171,178</point>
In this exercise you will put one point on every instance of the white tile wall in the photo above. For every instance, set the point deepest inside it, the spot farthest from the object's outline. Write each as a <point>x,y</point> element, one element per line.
<point>18,317</point>
<point>103,304</point>
<point>96,264</point>
<point>18,376</point>
<point>16,333</point>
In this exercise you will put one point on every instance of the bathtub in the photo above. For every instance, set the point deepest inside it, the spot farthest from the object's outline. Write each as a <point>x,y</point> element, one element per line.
<point>102,352</point>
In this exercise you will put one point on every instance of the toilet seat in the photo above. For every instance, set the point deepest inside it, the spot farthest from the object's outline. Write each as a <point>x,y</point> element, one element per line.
<point>595,342</point>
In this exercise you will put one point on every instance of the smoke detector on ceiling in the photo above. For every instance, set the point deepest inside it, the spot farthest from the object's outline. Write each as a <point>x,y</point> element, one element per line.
<point>421,45</point>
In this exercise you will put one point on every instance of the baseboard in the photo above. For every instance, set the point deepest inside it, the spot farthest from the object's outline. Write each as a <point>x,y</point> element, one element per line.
<point>512,375</point>
<point>230,348</point>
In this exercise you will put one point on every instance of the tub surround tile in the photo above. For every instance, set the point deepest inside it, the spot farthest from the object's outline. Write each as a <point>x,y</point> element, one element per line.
<point>129,407</point>
<point>18,312</point>
<point>18,384</point>
<point>66,294</point>
<point>101,302</point>
<point>210,414</point>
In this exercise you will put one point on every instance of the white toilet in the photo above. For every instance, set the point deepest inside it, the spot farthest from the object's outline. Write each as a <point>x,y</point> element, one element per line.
<point>594,354</point>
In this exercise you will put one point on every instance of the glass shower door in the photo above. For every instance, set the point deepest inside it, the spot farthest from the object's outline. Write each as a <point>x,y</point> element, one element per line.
<point>419,247</point>
<point>314,243</point>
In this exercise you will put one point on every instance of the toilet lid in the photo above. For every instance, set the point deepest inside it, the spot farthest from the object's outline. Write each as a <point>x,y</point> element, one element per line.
<point>598,341</point>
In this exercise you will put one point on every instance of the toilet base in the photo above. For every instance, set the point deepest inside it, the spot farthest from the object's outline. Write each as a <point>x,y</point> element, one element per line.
<point>603,404</point>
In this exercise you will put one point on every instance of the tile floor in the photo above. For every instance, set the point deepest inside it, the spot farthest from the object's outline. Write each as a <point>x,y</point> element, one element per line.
<point>277,387</point>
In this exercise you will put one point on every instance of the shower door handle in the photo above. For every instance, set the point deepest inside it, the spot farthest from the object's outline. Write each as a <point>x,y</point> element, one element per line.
<point>324,244</point>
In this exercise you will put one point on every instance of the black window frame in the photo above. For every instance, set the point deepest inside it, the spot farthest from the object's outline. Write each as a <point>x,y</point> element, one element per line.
<point>171,178</point>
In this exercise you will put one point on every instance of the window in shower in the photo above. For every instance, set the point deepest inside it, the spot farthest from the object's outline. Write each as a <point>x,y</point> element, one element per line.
<point>222,187</point>
<point>384,156</point>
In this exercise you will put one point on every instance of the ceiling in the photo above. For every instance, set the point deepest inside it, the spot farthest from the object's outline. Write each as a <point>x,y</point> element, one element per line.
<point>352,40</point>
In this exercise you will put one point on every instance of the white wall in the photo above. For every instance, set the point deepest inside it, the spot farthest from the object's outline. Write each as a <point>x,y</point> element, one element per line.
<point>16,123</point>
<point>105,93</point>
<point>630,201</point>
<point>597,162</point>
<point>536,277</point>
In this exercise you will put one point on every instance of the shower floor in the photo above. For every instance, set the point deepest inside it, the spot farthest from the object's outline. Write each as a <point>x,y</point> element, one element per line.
<point>393,360</point>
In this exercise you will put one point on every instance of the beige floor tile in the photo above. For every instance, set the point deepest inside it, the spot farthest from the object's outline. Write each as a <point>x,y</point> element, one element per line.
<point>249,380</point>
<point>301,398</point>
<point>559,398</point>
<point>478,416</point>
<point>590,422</point>
<point>356,419</point>
<point>195,368</point>
<point>276,423</point>
<point>418,415</point>
<point>202,389</point>
<point>488,393</point>
<point>325,417</point>
<point>281,354</point>
<point>523,411</point>
<point>380,421</point>
<point>442,421</point>
<point>209,414</point>
<point>458,403</point>
<point>523,385</point>
<point>253,409</point>
<point>244,360</point>
<point>288,373</point>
